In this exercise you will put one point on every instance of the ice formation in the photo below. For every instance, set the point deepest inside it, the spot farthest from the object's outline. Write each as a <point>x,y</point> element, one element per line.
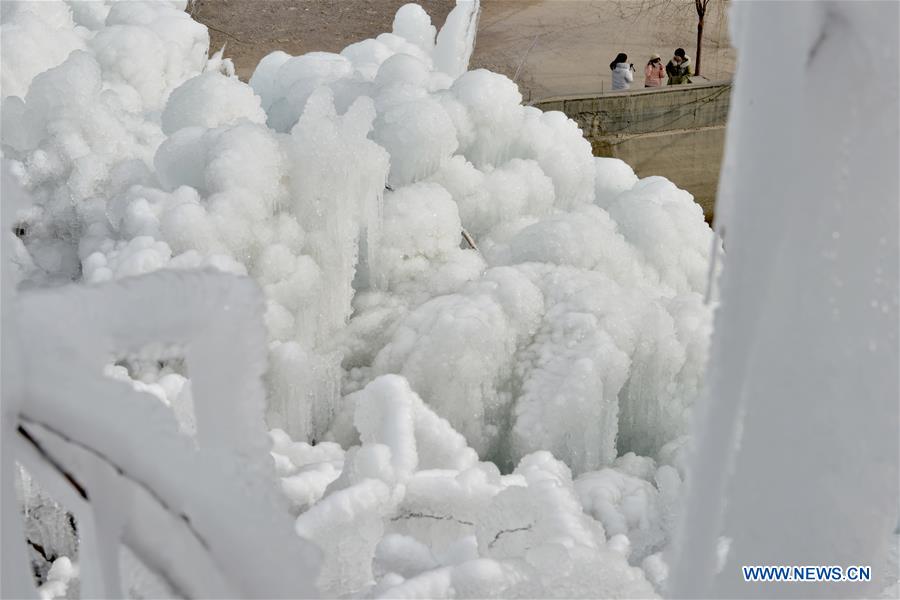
<point>797,451</point>
<point>446,421</point>
<point>133,475</point>
<point>412,509</point>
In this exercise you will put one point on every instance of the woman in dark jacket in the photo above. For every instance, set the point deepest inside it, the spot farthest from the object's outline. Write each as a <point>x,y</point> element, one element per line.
<point>679,68</point>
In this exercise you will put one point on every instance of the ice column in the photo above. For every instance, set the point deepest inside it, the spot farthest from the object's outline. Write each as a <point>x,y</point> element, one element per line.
<point>797,451</point>
<point>456,39</point>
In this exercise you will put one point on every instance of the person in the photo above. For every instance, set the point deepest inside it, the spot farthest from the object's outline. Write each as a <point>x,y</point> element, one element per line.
<point>679,68</point>
<point>621,72</point>
<point>654,72</point>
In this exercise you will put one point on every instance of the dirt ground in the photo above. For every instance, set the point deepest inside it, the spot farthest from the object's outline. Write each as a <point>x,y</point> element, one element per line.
<point>557,47</point>
<point>564,47</point>
<point>250,29</point>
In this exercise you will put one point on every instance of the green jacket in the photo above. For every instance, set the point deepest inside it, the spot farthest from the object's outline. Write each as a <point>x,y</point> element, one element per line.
<point>679,74</point>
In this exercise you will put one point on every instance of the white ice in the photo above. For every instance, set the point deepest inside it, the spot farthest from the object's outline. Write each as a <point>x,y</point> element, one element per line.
<point>506,420</point>
<point>797,450</point>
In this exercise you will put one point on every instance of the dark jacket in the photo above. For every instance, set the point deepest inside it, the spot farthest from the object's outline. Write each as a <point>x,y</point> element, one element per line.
<point>679,74</point>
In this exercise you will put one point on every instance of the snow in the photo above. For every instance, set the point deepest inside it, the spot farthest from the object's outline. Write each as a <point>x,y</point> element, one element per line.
<point>325,348</point>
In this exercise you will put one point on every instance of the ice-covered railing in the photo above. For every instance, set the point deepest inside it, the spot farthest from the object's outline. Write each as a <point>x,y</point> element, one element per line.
<point>204,516</point>
<point>199,512</point>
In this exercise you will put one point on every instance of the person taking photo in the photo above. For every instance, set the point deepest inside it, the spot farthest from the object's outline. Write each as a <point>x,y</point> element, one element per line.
<point>621,72</point>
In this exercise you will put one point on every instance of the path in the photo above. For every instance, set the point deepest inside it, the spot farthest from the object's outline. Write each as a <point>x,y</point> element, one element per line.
<point>577,38</point>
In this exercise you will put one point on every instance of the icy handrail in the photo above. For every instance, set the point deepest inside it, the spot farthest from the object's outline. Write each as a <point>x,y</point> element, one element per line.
<point>99,445</point>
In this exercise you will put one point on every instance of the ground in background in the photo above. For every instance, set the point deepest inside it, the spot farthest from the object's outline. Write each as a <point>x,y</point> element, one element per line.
<point>250,29</point>
<point>551,48</point>
<point>557,47</point>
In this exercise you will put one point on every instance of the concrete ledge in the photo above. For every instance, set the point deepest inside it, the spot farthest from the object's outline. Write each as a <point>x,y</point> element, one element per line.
<point>666,89</point>
<point>674,131</point>
<point>646,110</point>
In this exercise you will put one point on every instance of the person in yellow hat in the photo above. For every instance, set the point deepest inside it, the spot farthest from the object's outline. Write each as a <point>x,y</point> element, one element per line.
<point>654,72</point>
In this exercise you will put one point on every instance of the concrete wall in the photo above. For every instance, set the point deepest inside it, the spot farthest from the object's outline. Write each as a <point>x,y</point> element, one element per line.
<point>677,132</point>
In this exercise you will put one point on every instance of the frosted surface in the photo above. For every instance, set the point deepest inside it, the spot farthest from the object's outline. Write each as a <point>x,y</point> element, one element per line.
<point>442,420</point>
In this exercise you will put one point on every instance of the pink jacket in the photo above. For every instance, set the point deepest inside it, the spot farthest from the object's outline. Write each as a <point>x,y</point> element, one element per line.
<point>653,76</point>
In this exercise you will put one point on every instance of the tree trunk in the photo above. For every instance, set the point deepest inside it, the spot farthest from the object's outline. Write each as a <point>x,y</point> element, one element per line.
<point>699,45</point>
